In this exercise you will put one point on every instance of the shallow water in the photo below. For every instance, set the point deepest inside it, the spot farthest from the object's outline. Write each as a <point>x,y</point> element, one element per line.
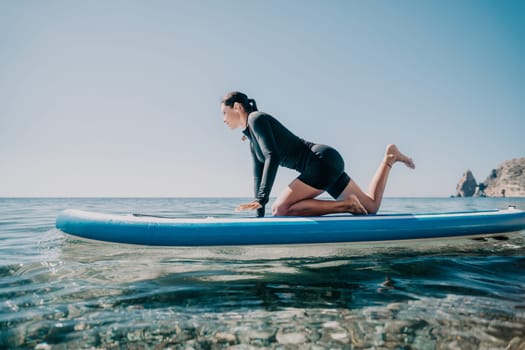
<point>59,292</point>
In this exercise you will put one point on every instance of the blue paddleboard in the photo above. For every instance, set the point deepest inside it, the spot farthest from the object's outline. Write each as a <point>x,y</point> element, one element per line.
<point>161,231</point>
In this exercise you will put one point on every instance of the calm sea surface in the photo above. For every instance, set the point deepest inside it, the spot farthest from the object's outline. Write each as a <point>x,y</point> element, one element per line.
<point>58,292</point>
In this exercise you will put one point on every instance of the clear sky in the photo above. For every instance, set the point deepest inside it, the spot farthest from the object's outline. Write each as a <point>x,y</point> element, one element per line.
<point>121,98</point>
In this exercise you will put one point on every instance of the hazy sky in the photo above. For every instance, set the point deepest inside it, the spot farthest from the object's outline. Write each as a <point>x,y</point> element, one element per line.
<point>121,98</point>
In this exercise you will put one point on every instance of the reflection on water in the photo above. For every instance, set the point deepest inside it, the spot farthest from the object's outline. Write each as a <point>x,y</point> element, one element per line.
<point>61,292</point>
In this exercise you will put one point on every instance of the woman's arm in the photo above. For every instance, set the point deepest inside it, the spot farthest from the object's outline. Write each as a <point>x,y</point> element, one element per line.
<point>262,131</point>
<point>264,172</point>
<point>257,176</point>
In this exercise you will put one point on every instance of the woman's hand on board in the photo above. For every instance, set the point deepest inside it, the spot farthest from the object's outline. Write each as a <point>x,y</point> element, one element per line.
<point>249,206</point>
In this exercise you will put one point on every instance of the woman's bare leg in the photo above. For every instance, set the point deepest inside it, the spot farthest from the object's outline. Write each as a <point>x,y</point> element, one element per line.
<point>298,200</point>
<point>372,200</point>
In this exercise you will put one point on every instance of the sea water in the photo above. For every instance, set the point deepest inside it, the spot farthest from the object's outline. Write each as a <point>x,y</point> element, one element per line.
<point>59,292</point>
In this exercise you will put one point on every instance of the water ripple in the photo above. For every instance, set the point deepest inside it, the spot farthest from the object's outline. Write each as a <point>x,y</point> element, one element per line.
<point>69,293</point>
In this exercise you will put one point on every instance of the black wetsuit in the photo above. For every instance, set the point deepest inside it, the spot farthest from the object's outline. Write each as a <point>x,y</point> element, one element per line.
<point>272,144</point>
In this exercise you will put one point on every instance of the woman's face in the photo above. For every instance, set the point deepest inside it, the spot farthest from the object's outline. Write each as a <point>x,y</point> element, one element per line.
<point>231,116</point>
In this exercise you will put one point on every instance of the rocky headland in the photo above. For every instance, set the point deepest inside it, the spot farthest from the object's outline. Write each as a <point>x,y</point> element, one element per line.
<point>507,180</point>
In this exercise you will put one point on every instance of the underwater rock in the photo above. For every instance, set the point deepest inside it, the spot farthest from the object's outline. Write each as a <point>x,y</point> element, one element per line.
<point>222,337</point>
<point>290,338</point>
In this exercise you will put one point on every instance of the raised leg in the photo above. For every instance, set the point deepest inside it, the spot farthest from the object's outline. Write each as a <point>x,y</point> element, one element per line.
<point>372,200</point>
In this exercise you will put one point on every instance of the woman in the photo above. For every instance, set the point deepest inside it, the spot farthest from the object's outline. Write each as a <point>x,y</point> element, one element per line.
<point>321,167</point>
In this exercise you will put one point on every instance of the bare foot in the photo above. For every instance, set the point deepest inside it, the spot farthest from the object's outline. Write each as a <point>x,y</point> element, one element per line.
<point>393,155</point>
<point>354,206</point>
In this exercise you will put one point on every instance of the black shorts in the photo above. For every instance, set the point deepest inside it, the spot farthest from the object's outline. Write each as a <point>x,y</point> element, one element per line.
<point>325,170</point>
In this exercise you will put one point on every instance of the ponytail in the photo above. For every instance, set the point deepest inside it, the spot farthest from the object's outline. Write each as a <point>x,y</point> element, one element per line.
<point>253,104</point>
<point>248,104</point>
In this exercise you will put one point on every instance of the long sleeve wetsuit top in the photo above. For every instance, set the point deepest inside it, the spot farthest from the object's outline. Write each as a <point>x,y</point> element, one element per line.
<point>272,144</point>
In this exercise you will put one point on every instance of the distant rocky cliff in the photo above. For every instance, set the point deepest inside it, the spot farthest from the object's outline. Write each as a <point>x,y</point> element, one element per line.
<point>467,185</point>
<point>508,180</point>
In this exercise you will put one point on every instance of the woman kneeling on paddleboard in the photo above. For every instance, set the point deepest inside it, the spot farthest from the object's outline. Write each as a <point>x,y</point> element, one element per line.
<point>321,167</point>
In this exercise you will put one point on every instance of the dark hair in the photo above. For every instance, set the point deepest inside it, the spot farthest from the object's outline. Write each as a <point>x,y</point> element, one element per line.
<point>248,104</point>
